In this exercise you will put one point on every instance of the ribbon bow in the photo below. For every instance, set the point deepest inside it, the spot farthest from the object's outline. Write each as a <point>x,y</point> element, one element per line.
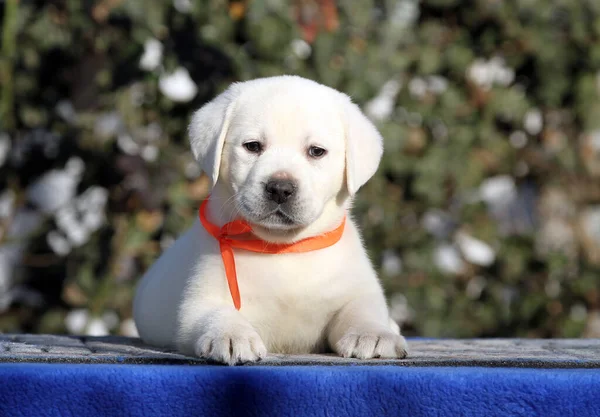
<point>226,236</point>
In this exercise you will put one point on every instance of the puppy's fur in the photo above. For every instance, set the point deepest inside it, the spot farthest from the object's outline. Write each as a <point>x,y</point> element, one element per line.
<point>329,299</point>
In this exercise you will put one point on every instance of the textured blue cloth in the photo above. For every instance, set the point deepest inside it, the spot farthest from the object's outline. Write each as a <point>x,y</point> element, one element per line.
<point>39,390</point>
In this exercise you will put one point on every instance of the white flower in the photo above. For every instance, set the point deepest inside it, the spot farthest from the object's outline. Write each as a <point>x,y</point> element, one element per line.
<point>301,48</point>
<point>79,321</point>
<point>128,328</point>
<point>447,258</point>
<point>498,191</point>
<point>78,220</point>
<point>533,121</point>
<point>434,84</point>
<point>77,234</point>
<point>478,73</point>
<point>152,57</point>
<point>76,320</point>
<point>150,153</point>
<point>501,74</point>
<point>126,143</point>
<point>96,327</point>
<point>58,243</point>
<point>489,73</point>
<point>405,13</point>
<point>182,6</point>
<point>475,251</point>
<point>75,166</point>
<point>381,107</point>
<point>391,263</point>
<point>66,219</point>
<point>417,87</point>
<point>178,86</point>
<point>91,204</point>
<point>437,84</point>
<point>110,319</point>
<point>57,187</point>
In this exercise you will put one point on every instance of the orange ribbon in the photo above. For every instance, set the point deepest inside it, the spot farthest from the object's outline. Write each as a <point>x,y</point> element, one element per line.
<point>225,236</point>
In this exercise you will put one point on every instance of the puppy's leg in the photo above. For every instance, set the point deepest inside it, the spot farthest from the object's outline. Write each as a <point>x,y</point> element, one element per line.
<point>221,334</point>
<point>362,329</point>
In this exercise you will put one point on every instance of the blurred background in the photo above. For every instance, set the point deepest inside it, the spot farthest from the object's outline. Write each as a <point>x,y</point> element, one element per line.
<point>483,219</point>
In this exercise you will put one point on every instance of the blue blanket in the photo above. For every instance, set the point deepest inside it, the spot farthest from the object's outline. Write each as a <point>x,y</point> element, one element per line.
<point>39,390</point>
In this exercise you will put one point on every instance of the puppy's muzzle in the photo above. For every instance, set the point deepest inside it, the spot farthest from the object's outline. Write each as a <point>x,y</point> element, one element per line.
<point>280,187</point>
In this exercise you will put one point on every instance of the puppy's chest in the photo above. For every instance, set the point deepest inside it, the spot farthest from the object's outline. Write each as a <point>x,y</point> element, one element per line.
<point>289,299</point>
<point>288,276</point>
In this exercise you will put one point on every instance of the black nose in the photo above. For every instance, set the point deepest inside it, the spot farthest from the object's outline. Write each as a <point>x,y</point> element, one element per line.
<point>279,190</point>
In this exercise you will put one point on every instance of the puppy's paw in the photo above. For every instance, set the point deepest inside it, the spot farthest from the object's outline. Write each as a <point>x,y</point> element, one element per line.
<point>231,346</point>
<point>371,344</point>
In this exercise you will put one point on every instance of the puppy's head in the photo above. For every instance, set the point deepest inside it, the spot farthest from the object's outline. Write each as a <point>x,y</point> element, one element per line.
<point>288,149</point>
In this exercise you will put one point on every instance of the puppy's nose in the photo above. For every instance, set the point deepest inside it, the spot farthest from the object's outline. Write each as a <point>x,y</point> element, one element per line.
<point>279,188</point>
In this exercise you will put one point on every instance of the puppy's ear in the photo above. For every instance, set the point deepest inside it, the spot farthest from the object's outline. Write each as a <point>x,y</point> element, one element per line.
<point>364,147</point>
<point>208,129</point>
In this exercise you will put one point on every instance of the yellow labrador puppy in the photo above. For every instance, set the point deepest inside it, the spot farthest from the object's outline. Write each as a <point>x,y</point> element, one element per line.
<point>285,155</point>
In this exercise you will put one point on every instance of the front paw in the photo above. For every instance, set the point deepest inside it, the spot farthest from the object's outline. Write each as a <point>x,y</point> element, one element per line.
<point>369,344</point>
<point>231,346</point>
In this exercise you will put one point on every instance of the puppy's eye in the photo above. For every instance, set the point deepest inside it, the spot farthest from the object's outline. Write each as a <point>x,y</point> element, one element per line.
<point>253,146</point>
<point>316,152</point>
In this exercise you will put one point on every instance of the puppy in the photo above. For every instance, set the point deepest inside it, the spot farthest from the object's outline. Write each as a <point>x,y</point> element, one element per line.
<point>286,155</point>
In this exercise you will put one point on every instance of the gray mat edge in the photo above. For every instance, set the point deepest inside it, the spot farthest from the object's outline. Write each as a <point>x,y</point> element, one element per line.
<point>496,353</point>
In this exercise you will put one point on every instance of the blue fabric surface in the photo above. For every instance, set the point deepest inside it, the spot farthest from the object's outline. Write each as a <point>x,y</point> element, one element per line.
<point>150,390</point>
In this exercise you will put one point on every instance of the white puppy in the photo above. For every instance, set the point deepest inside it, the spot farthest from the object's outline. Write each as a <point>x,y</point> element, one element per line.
<point>286,155</point>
